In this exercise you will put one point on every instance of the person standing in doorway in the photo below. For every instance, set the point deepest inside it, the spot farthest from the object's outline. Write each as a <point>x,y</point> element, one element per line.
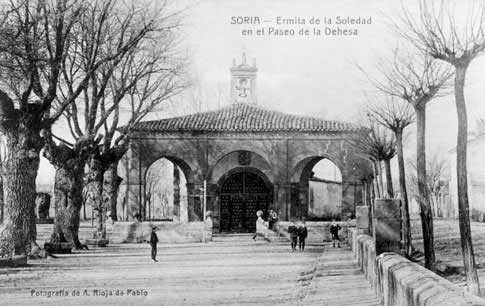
<point>334,228</point>
<point>302,234</point>
<point>153,243</point>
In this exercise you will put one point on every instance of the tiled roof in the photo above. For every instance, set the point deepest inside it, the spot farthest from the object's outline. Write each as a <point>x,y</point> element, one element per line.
<point>243,117</point>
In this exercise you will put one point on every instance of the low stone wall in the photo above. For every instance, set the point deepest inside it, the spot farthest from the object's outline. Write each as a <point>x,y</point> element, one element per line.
<point>15,261</point>
<point>167,232</point>
<point>402,282</point>
<point>319,231</point>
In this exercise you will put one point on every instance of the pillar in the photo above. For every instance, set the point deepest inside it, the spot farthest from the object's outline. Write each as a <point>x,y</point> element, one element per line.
<point>387,225</point>
<point>135,180</point>
<point>348,200</point>
<point>194,210</point>
<point>362,219</point>
<point>351,198</point>
<point>176,191</point>
<point>281,201</point>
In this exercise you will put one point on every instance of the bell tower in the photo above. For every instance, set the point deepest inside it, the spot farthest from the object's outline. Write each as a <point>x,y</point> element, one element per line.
<point>243,81</point>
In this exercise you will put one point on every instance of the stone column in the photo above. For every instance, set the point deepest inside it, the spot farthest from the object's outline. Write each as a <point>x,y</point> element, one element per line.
<point>134,180</point>
<point>351,198</point>
<point>387,225</point>
<point>362,216</point>
<point>280,201</point>
<point>303,198</point>
<point>176,191</point>
<point>348,200</point>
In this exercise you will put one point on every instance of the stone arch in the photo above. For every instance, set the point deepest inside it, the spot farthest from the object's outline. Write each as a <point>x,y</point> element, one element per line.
<point>302,170</point>
<point>259,148</point>
<point>184,166</point>
<point>231,160</point>
<point>235,170</point>
<point>315,198</point>
<point>166,193</point>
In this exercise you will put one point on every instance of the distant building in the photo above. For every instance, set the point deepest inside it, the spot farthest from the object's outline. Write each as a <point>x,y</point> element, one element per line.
<point>476,173</point>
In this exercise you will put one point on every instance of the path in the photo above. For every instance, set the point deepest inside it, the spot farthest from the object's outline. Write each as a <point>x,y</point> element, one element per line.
<point>337,280</point>
<point>229,271</point>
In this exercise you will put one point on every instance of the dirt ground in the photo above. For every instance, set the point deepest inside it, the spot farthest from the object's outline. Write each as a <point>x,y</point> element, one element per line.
<point>235,271</point>
<point>448,249</point>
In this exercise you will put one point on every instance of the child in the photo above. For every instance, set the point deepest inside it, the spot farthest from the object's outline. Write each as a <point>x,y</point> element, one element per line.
<point>302,234</point>
<point>153,243</point>
<point>272,219</point>
<point>293,231</point>
<point>334,228</point>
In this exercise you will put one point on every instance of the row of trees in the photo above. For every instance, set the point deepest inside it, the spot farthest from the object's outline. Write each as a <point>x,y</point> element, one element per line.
<point>442,50</point>
<point>99,67</point>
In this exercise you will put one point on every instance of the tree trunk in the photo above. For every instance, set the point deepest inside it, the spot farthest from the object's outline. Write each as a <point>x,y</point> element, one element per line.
<point>19,173</point>
<point>381,181</point>
<point>94,191</point>
<point>371,204</point>
<point>407,239</point>
<point>111,183</point>
<point>2,202</point>
<point>461,174</point>
<point>423,196</point>
<point>390,189</point>
<point>68,186</point>
<point>376,178</point>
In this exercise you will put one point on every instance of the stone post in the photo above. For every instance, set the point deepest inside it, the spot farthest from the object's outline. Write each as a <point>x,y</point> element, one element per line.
<point>387,225</point>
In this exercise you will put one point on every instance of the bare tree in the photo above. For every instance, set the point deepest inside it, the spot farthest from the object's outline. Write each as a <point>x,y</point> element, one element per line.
<point>378,145</point>
<point>443,32</point>
<point>109,45</point>
<point>435,181</point>
<point>34,41</point>
<point>147,73</point>
<point>396,116</point>
<point>417,80</point>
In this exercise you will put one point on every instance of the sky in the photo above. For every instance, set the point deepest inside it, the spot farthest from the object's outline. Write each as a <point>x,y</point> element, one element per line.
<point>308,75</point>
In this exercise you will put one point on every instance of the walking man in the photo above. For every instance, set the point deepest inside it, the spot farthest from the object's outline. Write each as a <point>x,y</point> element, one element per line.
<point>153,243</point>
<point>293,231</point>
<point>302,234</point>
<point>334,228</point>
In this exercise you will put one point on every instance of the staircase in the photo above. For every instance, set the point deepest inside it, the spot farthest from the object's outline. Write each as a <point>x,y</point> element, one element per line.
<point>273,236</point>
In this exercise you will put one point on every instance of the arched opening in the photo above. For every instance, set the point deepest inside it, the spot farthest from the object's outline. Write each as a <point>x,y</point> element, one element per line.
<point>166,191</point>
<point>324,191</point>
<point>317,189</point>
<point>242,192</point>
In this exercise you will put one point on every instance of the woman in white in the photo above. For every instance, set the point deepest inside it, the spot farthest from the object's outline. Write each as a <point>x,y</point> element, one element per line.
<point>260,226</point>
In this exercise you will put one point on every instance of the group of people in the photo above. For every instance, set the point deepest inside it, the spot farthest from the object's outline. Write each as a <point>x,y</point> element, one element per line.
<point>298,233</point>
<point>261,224</point>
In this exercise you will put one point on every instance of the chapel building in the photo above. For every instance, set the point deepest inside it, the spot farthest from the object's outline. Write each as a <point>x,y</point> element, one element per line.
<point>251,158</point>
